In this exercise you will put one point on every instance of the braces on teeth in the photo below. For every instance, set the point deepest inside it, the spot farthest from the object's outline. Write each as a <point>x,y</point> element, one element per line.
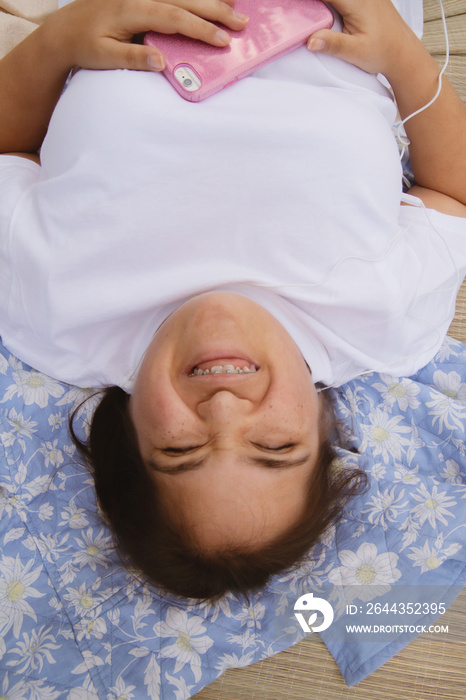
<point>223,369</point>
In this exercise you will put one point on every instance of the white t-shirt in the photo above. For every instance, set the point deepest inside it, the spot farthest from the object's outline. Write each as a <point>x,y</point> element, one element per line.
<point>289,177</point>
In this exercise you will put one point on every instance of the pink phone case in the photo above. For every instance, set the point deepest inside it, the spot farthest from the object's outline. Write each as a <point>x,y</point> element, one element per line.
<point>275,27</point>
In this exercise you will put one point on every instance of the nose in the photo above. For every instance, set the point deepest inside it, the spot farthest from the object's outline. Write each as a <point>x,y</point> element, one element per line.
<point>224,406</point>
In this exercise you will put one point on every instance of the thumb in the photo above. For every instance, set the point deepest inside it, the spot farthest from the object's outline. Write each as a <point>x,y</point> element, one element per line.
<point>331,42</point>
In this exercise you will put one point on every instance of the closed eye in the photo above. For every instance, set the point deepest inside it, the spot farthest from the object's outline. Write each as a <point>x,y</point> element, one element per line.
<point>279,448</point>
<point>179,450</point>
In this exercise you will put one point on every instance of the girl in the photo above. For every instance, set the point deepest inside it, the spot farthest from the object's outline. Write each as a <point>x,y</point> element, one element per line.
<point>215,265</point>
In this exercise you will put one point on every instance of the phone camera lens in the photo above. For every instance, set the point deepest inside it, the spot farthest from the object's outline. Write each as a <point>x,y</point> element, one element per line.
<point>187,82</point>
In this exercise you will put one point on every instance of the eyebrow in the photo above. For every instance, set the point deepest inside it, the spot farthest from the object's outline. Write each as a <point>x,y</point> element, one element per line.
<point>279,463</point>
<point>188,466</point>
<point>192,465</point>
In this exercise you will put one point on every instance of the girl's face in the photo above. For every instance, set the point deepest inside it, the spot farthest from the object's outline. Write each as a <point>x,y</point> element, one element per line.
<point>231,453</point>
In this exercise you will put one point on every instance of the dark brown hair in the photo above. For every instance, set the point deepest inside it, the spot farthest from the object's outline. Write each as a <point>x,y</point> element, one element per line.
<point>165,553</point>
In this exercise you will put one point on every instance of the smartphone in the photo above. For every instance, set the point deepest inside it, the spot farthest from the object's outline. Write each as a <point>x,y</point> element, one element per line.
<point>275,27</point>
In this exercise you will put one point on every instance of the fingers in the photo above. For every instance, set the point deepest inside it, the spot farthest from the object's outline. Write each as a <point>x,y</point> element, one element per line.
<point>191,18</point>
<point>213,10</point>
<point>194,19</point>
<point>101,30</point>
<point>118,54</point>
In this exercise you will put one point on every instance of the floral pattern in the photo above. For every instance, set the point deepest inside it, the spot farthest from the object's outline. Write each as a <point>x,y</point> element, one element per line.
<point>75,625</point>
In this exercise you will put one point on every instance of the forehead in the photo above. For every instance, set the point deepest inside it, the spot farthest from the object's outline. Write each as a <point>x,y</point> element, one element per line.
<point>225,502</point>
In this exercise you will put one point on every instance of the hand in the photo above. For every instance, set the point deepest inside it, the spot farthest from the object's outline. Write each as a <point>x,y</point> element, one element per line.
<point>374,35</point>
<point>97,34</point>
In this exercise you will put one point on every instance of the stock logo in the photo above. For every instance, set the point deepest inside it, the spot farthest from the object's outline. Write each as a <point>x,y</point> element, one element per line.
<point>308,604</point>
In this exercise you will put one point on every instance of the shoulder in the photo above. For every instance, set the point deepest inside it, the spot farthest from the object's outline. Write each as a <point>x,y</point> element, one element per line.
<point>438,201</point>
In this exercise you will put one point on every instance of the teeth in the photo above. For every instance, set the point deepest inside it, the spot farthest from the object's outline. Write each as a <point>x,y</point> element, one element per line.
<point>223,369</point>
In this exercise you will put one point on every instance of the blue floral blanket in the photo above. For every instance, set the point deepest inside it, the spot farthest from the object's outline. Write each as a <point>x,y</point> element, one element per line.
<point>75,625</point>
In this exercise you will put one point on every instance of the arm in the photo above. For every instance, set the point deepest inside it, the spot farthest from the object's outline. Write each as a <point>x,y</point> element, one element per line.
<point>93,34</point>
<point>376,39</point>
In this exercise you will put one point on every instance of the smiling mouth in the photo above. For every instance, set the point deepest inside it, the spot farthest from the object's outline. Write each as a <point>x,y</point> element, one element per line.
<point>215,368</point>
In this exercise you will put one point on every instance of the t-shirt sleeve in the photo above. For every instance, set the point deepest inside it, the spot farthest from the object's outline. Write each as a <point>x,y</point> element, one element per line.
<point>447,229</point>
<point>16,176</point>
